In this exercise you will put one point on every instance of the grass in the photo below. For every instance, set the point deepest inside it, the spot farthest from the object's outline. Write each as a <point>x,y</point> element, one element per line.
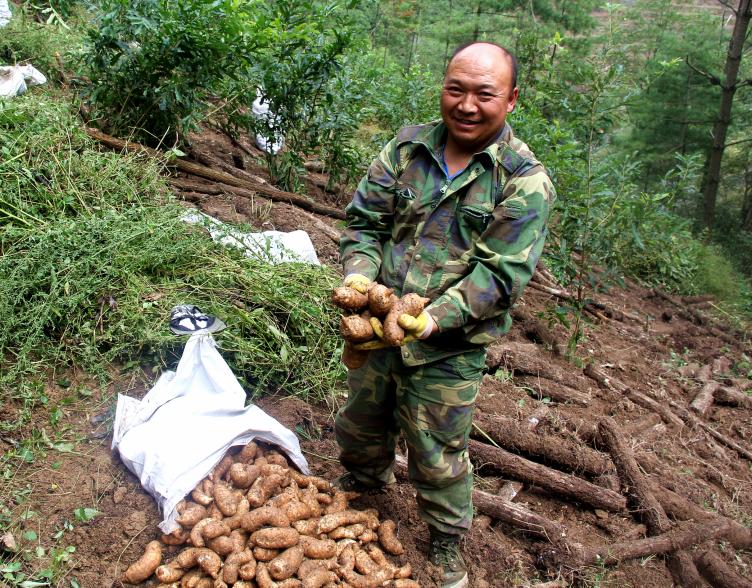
<point>95,254</point>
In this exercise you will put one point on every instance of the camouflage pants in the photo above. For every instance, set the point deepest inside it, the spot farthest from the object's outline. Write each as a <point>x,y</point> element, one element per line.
<point>433,407</point>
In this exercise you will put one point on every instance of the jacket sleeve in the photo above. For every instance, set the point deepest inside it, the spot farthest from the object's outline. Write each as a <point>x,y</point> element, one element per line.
<point>504,257</point>
<point>369,216</point>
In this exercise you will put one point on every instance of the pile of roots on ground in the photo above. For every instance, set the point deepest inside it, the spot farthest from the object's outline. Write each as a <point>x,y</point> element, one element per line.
<point>255,521</point>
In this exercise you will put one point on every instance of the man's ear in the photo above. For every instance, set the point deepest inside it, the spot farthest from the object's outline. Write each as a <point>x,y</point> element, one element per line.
<point>513,99</point>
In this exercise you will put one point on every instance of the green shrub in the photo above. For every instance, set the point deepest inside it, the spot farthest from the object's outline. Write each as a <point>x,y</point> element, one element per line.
<point>294,75</point>
<point>155,64</point>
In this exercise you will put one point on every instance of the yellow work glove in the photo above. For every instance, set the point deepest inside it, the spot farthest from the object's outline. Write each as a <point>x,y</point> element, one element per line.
<point>378,342</point>
<point>357,282</point>
<point>377,326</point>
<point>417,328</point>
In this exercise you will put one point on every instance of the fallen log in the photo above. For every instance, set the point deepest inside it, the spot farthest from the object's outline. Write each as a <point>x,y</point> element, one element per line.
<point>541,387</point>
<point>680,537</point>
<point>695,422</point>
<point>529,359</point>
<point>683,509</point>
<point>638,398</point>
<point>547,478</point>
<point>689,300</point>
<point>518,516</point>
<point>718,572</point>
<point>218,176</point>
<point>684,570</point>
<point>509,513</point>
<point>692,315</point>
<point>214,162</point>
<point>705,397</point>
<point>705,373</point>
<point>514,436</point>
<point>642,500</point>
<point>689,370</point>
<point>733,397</point>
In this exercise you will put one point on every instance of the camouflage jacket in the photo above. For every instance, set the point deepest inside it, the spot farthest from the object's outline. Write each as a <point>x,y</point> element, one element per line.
<point>469,244</point>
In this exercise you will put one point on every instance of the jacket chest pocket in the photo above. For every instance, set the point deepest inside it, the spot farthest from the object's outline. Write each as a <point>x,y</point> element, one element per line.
<point>475,219</point>
<point>476,208</point>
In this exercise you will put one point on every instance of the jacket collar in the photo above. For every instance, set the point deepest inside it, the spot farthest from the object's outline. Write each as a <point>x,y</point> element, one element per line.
<point>433,137</point>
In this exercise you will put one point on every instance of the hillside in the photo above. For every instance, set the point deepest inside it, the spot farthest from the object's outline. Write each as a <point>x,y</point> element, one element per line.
<point>557,488</point>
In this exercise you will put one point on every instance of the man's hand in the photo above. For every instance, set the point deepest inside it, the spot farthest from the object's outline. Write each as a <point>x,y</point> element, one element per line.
<point>421,327</point>
<point>357,282</point>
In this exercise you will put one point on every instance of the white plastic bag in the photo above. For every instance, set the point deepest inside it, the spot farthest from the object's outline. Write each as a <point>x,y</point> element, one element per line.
<point>5,14</point>
<point>14,79</point>
<point>261,111</point>
<point>268,246</point>
<point>186,423</point>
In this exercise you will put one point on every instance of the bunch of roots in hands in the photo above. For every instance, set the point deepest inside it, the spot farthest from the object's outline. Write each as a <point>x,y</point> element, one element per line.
<point>256,522</point>
<point>370,319</point>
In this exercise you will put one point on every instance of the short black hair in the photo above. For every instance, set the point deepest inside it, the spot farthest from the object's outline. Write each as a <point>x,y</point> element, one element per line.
<point>506,51</point>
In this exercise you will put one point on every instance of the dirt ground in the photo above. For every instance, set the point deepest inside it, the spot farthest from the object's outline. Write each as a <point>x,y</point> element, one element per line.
<point>646,351</point>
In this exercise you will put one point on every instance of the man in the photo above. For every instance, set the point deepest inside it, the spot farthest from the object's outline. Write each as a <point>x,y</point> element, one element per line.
<point>455,211</point>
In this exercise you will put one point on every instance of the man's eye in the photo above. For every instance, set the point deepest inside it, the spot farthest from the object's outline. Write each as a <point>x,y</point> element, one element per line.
<point>486,96</point>
<point>454,91</point>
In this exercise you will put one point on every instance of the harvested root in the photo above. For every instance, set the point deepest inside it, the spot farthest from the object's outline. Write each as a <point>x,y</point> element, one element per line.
<point>274,538</point>
<point>243,475</point>
<point>412,304</point>
<point>264,554</point>
<point>329,522</point>
<point>191,514</point>
<point>318,548</point>
<point>355,328</point>
<point>388,538</point>
<point>208,529</point>
<point>146,564</point>
<point>380,300</point>
<point>286,563</point>
<point>318,578</point>
<point>264,516</point>
<point>226,498</point>
<point>262,527</point>
<point>349,299</point>
<point>221,468</point>
<point>263,488</point>
<point>177,537</point>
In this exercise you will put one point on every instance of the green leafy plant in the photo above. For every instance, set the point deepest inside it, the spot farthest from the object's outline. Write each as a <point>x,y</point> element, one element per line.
<point>293,76</point>
<point>154,65</point>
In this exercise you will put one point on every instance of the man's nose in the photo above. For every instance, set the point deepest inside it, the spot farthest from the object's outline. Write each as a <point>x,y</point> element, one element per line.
<point>468,103</point>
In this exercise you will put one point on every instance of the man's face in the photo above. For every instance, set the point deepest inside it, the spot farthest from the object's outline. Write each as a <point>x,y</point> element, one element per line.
<point>476,97</point>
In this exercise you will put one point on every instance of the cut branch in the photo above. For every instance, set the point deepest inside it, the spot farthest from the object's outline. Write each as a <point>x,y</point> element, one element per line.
<point>514,436</point>
<point>640,399</point>
<point>695,422</point>
<point>218,176</point>
<point>530,472</point>
<point>507,512</point>
<point>683,509</point>
<point>704,399</point>
<point>718,572</point>
<point>680,537</point>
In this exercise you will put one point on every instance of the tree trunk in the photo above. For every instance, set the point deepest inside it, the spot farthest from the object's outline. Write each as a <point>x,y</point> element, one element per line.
<point>476,32</point>
<point>712,178</point>
<point>747,202</point>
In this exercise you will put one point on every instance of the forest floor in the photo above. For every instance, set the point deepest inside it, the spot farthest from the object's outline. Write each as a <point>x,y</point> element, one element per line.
<point>534,402</point>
